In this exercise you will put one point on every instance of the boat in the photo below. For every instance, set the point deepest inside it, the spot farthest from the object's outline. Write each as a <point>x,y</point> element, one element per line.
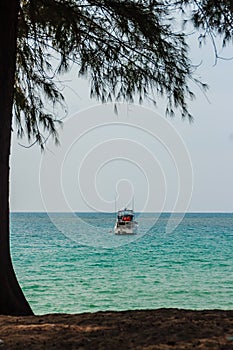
<point>125,223</point>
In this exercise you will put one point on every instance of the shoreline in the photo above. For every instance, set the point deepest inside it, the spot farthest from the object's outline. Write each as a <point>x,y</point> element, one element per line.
<point>159,329</point>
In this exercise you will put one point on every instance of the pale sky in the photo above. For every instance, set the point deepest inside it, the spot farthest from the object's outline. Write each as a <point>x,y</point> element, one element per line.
<point>102,153</point>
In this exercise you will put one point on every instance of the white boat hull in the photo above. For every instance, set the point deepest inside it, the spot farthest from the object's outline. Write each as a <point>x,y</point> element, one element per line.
<point>129,228</point>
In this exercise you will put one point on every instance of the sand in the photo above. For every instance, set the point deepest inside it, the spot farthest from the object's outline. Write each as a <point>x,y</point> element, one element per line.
<point>142,329</point>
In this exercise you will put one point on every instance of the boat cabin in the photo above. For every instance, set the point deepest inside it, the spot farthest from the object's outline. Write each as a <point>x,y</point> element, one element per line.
<point>125,215</point>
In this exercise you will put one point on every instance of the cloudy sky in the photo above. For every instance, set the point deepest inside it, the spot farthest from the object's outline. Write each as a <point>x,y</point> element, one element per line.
<point>164,164</point>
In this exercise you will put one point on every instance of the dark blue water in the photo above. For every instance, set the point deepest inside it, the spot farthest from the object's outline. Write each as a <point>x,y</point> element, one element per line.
<point>63,265</point>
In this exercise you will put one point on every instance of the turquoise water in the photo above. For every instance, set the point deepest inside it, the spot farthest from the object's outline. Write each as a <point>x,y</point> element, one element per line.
<point>192,267</point>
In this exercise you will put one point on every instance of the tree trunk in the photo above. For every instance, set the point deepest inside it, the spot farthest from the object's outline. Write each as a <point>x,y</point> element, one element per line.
<point>12,300</point>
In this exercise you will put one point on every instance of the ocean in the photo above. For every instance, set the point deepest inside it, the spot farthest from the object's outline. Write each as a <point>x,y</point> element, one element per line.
<point>73,263</point>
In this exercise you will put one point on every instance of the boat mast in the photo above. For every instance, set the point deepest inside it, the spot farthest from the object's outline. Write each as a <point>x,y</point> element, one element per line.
<point>115,203</point>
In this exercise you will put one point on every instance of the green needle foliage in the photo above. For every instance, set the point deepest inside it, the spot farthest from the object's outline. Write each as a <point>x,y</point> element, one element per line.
<point>211,17</point>
<point>127,49</point>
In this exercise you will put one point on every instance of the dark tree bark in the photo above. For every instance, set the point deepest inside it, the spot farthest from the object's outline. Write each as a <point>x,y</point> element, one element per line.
<point>12,300</point>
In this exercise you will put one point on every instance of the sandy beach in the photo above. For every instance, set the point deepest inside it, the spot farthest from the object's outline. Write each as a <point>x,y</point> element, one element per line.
<point>140,329</point>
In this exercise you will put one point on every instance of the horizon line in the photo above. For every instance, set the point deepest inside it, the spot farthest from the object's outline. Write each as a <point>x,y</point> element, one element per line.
<point>111,212</point>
